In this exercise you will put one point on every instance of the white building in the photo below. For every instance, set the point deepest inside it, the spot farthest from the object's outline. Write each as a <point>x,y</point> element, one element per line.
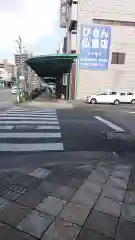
<point>86,16</point>
<point>7,72</point>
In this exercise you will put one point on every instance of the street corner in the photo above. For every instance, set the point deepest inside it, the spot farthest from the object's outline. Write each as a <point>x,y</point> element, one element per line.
<point>69,201</point>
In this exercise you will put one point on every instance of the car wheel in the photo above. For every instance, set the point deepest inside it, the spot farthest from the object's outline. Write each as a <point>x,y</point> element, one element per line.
<point>116,102</point>
<point>93,101</point>
<point>133,101</point>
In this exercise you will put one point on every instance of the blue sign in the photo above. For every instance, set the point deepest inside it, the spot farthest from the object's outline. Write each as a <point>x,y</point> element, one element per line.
<point>94,47</point>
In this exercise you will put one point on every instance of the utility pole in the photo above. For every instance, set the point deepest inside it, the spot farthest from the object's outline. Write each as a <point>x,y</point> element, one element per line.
<point>19,42</point>
<point>21,77</point>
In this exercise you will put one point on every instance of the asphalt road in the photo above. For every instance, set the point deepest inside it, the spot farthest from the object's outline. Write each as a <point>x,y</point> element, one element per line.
<point>6,99</point>
<point>80,135</point>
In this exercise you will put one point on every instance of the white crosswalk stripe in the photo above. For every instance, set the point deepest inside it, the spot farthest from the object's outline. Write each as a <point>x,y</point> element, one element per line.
<point>25,130</point>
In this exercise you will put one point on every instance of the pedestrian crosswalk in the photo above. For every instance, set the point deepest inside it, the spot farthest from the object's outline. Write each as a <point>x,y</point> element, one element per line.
<point>26,130</point>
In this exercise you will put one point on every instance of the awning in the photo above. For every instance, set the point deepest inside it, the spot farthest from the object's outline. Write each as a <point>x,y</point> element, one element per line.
<point>52,65</point>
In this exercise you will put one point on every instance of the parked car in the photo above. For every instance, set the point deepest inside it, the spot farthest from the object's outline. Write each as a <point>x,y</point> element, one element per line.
<point>114,97</point>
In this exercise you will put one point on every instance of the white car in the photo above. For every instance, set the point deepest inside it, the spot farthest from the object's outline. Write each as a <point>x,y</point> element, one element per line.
<point>114,97</point>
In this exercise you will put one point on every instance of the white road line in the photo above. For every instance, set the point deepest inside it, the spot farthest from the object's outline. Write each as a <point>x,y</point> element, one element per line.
<point>15,110</point>
<point>30,147</point>
<point>132,112</point>
<point>27,118</point>
<point>30,135</point>
<point>27,115</point>
<point>110,124</point>
<point>47,127</point>
<point>6,127</point>
<point>30,122</point>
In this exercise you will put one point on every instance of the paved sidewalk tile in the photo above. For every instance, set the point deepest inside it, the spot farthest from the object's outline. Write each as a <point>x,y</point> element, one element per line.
<point>81,174</point>
<point>117,182</point>
<point>128,212</point>
<point>108,206</point>
<point>8,233</point>
<point>27,181</point>
<point>122,171</point>
<point>84,198</point>
<point>123,167</point>
<point>88,168</point>
<point>114,193</point>
<point>46,187</point>
<point>51,205</point>
<point>97,177</point>
<point>131,185</point>
<point>125,231</point>
<point>40,173</point>
<point>61,230</point>
<point>35,223</point>
<point>88,235</point>
<point>3,204</point>
<point>103,171</point>
<point>75,182</point>
<point>92,187</point>
<point>32,198</point>
<point>102,223</point>
<point>130,197</point>
<point>75,213</point>
<point>106,165</point>
<point>64,192</point>
<point>14,214</point>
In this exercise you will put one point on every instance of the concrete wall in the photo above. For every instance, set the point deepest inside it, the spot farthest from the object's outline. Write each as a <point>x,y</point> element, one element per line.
<point>122,40</point>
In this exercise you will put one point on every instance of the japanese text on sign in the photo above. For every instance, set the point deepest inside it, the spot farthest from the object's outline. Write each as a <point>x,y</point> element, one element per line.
<point>94,47</point>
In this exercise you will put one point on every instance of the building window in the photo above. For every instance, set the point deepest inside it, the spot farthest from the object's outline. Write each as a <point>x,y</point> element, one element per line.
<point>112,93</point>
<point>122,94</point>
<point>130,93</point>
<point>118,58</point>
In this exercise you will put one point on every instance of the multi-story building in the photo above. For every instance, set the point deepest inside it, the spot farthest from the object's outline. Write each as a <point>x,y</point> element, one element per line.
<point>102,33</point>
<point>7,74</point>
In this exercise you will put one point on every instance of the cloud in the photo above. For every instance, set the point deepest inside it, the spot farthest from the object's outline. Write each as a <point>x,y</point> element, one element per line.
<point>32,19</point>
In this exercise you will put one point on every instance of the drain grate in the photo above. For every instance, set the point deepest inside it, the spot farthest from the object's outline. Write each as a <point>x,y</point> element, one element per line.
<point>9,188</point>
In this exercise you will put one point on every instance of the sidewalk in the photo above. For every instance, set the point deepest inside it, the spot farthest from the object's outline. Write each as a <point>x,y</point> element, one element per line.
<point>68,202</point>
<point>59,104</point>
<point>45,102</point>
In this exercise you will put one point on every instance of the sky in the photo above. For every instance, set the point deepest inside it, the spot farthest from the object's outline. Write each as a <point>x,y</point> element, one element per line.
<point>36,21</point>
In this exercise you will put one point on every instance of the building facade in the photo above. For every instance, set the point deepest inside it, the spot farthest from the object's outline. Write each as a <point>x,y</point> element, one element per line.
<point>7,74</point>
<point>113,56</point>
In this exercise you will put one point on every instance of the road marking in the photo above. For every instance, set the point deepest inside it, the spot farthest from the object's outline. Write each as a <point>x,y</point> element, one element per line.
<point>132,112</point>
<point>30,122</point>
<point>27,115</point>
<point>47,127</point>
<point>16,110</point>
<point>30,147</point>
<point>34,114</point>
<point>6,127</point>
<point>110,124</point>
<point>27,118</point>
<point>30,135</point>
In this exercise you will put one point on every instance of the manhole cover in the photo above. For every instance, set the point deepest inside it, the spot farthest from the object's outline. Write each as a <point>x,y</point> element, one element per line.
<point>24,127</point>
<point>9,188</point>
